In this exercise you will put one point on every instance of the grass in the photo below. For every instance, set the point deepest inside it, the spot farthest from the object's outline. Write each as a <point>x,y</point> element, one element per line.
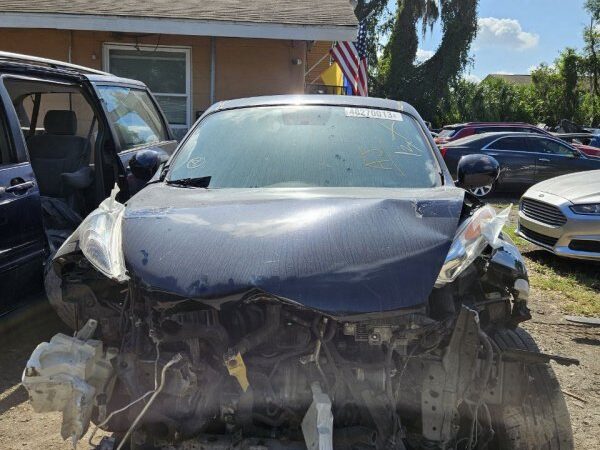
<point>574,284</point>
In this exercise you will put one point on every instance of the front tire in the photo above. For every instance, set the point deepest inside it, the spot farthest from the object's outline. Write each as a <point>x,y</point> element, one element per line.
<point>542,420</point>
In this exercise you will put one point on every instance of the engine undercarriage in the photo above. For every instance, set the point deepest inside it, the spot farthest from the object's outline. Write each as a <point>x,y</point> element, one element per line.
<point>265,374</point>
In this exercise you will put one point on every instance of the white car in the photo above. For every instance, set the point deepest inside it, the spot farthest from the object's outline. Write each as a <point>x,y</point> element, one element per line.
<point>562,215</point>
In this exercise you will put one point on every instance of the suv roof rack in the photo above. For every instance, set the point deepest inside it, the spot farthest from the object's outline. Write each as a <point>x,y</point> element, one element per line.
<point>50,63</point>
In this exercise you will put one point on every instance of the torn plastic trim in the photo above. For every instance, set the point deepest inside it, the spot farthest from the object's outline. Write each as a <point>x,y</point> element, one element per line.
<point>483,228</point>
<point>100,238</point>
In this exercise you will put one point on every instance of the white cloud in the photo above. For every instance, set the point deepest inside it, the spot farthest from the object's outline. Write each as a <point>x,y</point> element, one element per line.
<point>472,78</point>
<point>424,55</point>
<point>506,33</point>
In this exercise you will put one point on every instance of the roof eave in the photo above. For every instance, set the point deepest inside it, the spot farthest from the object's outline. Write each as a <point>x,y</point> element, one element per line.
<point>159,25</point>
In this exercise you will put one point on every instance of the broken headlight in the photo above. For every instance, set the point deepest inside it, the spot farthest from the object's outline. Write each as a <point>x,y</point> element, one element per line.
<point>100,238</point>
<point>472,237</point>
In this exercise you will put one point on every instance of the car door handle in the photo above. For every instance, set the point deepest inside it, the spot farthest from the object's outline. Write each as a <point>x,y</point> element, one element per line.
<point>25,186</point>
<point>544,159</point>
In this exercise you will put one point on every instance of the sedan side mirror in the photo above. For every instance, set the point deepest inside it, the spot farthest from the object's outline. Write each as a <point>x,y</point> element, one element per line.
<point>474,171</point>
<point>144,164</point>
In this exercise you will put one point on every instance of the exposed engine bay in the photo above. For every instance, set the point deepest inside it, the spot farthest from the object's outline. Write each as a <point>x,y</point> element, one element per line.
<point>266,373</point>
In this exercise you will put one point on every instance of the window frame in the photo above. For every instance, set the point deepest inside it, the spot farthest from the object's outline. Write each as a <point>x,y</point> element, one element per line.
<point>525,149</point>
<point>107,47</point>
<point>574,152</point>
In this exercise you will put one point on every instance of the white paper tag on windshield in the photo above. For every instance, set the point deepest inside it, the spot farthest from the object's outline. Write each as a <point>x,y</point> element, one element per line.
<point>373,114</point>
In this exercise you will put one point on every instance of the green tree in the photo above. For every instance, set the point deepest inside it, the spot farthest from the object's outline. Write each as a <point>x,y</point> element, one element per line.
<point>590,64</point>
<point>425,84</point>
<point>568,71</point>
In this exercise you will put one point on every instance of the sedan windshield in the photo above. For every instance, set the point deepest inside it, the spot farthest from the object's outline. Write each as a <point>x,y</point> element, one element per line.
<point>306,146</point>
<point>134,116</point>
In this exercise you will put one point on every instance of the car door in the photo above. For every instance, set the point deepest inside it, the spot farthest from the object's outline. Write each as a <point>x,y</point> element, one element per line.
<point>555,158</point>
<point>138,123</point>
<point>22,238</point>
<point>517,163</point>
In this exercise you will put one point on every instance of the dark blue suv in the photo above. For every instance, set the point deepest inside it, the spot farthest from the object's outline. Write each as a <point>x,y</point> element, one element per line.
<point>67,135</point>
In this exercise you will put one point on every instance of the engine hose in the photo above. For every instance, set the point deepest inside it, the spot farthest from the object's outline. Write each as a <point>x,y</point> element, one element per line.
<point>329,331</point>
<point>252,340</point>
<point>155,394</point>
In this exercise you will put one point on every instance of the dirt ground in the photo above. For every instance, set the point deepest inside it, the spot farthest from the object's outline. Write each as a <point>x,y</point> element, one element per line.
<point>21,428</point>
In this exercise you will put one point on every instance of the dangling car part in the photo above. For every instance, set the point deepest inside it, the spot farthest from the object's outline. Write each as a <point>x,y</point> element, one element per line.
<point>303,273</point>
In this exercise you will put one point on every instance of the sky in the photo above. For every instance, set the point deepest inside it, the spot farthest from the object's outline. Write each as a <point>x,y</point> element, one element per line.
<point>517,35</point>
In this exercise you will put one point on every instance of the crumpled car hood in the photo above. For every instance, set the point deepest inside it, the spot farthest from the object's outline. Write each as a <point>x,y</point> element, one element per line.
<point>339,251</point>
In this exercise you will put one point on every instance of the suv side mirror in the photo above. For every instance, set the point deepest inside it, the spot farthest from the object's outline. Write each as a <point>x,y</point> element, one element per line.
<point>476,170</point>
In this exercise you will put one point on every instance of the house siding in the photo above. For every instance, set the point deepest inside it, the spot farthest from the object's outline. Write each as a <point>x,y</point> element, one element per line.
<point>244,67</point>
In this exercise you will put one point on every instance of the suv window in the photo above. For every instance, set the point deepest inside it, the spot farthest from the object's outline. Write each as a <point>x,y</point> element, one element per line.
<point>134,115</point>
<point>551,147</point>
<point>515,143</point>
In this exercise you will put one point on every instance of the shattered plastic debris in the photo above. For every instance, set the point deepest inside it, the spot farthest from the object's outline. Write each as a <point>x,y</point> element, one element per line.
<point>65,375</point>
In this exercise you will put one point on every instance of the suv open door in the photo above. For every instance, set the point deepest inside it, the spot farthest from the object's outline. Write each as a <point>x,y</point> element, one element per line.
<point>22,239</point>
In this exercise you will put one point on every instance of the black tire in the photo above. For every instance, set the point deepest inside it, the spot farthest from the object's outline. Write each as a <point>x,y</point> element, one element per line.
<point>542,421</point>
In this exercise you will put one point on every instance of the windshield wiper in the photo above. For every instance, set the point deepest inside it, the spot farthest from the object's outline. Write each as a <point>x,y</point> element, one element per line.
<point>201,182</point>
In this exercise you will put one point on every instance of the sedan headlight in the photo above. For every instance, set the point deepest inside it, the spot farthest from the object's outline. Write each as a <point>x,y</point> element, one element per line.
<point>590,209</point>
<point>472,237</point>
<point>100,238</point>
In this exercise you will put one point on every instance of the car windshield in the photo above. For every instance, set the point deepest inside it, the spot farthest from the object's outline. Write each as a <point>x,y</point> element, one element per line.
<point>447,132</point>
<point>134,116</point>
<point>307,146</point>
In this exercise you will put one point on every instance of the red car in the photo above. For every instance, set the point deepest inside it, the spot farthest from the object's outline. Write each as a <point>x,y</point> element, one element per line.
<point>587,149</point>
<point>586,142</point>
<point>461,130</point>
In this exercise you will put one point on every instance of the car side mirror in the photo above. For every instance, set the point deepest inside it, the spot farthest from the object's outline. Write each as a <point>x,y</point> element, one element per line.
<point>476,170</point>
<point>144,164</point>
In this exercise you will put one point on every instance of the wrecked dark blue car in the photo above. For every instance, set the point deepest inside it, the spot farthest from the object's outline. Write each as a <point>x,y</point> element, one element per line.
<point>302,273</point>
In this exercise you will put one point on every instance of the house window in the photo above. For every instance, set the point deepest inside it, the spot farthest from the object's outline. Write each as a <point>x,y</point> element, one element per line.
<point>165,70</point>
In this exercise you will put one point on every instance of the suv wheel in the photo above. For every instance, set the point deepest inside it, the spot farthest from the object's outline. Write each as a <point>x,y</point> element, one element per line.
<point>542,420</point>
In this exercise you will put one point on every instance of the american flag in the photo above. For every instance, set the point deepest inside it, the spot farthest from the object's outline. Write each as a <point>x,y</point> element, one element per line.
<point>352,58</point>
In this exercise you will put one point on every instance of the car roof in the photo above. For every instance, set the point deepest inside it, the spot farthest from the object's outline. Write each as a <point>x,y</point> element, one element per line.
<point>496,134</point>
<point>13,61</point>
<point>574,135</point>
<point>489,124</point>
<point>331,100</point>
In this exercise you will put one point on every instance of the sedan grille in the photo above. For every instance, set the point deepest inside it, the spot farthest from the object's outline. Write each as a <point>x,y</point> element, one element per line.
<point>542,212</point>
<point>537,237</point>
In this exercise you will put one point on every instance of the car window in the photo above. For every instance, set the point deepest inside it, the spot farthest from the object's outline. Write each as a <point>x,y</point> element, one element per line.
<point>134,116</point>
<point>70,100</point>
<point>307,146</point>
<point>447,132</point>
<point>515,143</point>
<point>33,100</point>
<point>552,147</point>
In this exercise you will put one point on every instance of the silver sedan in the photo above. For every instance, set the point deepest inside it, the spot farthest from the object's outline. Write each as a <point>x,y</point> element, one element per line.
<point>562,215</point>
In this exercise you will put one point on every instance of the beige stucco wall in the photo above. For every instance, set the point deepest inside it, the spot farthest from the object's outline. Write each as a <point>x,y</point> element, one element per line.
<point>244,67</point>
